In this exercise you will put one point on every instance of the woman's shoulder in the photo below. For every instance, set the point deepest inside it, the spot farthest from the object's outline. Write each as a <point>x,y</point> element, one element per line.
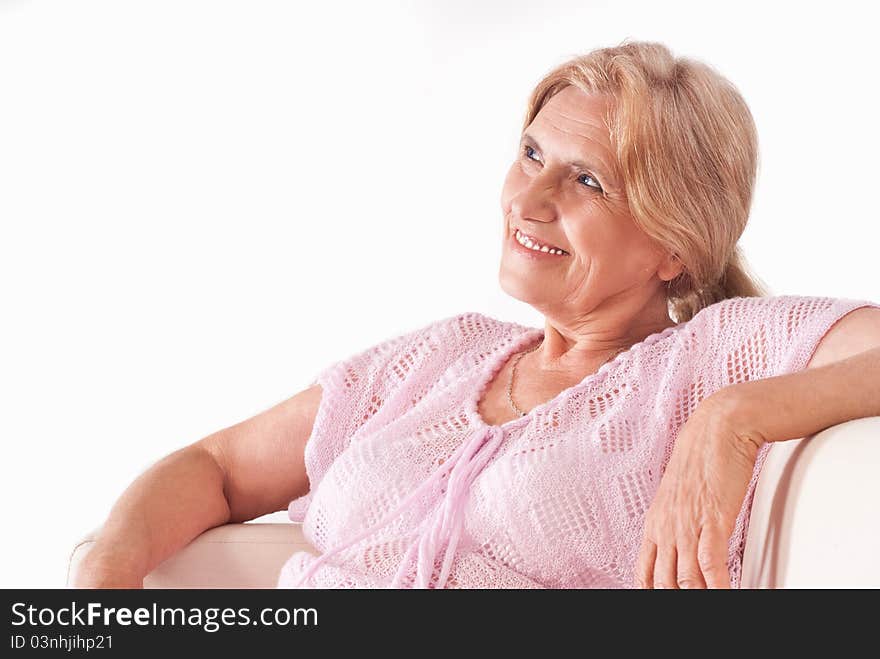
<point>771,334</point>
<point>479,324</point>
<point>747,304</point>
<point>453,335</point>
<point>473,328</point>
<point>790,309</point>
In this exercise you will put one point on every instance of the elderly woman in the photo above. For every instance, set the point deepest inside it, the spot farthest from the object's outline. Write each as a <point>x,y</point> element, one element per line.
<point>618,445</point>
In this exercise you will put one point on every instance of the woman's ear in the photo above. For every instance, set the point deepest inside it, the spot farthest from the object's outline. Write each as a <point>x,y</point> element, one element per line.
<point>670,267</point>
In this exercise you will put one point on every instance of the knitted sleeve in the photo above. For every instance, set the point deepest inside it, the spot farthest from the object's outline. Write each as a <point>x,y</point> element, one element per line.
<point>761,337</point>
<point>371,387</point>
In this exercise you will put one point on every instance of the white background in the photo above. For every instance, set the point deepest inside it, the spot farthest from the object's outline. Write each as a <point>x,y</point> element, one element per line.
<point>202,203</point>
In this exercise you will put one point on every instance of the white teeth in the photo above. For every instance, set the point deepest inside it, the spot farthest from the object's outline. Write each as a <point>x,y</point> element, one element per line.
<point>523,240</point>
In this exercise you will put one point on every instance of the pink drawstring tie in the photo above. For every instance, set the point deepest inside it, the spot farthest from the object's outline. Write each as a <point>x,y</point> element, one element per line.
<point>444,526</point>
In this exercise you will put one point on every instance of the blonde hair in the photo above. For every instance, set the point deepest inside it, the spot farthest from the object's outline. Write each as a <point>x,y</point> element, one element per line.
<point>687,151</point>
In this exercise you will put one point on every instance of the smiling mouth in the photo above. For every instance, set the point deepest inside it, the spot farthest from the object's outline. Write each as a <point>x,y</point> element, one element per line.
<point>535,245</point>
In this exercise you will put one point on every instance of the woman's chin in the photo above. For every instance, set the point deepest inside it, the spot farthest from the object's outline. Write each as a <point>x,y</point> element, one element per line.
<point>521,288</point>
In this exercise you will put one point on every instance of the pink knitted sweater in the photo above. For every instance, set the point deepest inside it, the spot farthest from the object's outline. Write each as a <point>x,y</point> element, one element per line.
<point>409,487</point>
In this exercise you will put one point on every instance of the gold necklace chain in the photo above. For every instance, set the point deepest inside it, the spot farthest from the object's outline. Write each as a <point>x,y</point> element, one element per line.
<point>523,354</point>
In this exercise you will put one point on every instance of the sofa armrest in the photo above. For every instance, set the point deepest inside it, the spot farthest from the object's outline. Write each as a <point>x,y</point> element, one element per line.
<point>814,517</point>
<point>246,555</point>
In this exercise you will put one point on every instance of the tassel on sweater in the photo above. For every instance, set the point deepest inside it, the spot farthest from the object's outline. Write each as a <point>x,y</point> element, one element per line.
<point>444,529</point>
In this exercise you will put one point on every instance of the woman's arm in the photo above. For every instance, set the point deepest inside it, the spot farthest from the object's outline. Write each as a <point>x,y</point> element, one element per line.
<point>841,383</point>
<point>805,403</point>
<point>693,514</point>
<point>250,469</point>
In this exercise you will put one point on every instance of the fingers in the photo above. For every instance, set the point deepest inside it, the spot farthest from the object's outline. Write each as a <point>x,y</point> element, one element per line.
<point>664,568</point>
<point>712,557</point>
<point>645,565</point>
<point>688,573</point>
<point>691,562</point>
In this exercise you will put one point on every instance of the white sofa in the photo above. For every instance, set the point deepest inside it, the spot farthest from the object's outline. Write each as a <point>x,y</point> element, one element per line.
<point>814,524</point>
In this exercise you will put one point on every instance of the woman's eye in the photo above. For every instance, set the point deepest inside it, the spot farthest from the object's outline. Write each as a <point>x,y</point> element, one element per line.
<point>528,151</point>
<point>597,186</point>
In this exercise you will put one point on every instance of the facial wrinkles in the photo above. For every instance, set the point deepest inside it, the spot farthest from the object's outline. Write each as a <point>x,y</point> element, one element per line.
<point>583,333</point>
<point>597,148</point>
<point>576,314</point>
<point>597,225</point>
<point>578,285</point>
<point>581,280</point>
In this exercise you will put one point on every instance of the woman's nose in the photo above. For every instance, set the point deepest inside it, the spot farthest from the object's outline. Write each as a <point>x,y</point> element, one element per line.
<point>537,200</point>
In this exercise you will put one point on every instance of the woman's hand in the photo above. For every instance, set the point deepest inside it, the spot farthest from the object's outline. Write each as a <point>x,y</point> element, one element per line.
<point>692,516</point>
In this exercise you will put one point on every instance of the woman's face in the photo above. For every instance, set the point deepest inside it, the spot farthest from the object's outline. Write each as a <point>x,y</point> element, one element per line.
<point>564,190</point>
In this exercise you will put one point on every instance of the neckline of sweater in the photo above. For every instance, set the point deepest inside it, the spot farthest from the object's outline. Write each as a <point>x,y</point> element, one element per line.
<point>499,358</point>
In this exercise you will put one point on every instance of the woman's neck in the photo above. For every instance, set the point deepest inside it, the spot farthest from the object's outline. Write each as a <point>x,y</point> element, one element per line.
<point>579,346</point>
